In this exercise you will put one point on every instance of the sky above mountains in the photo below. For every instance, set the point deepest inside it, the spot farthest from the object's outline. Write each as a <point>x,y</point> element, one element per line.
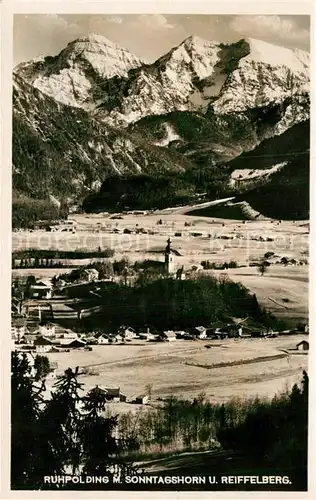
<point>150,35</point>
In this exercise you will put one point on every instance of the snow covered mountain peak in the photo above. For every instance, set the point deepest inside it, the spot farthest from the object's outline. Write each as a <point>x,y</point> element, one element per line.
<point>106,58</point>
<point>74,75</point>
<point>200,75</point>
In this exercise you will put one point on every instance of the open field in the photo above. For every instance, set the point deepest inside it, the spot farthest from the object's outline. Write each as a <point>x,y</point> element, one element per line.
<point>289,238</point>
<point>283,290</point>
<point>164,365</point>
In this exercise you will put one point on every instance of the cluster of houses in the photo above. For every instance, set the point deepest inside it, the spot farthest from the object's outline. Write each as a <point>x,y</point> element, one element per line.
<point>127,334</point>
<point>43,289</point>
<point>49,337</point>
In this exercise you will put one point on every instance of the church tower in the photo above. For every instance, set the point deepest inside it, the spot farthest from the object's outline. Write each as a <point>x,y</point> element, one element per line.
<point>169,259</point>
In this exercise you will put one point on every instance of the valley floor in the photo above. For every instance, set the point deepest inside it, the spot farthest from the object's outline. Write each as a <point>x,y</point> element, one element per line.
<point>282,290</point>
<point>172,368</point>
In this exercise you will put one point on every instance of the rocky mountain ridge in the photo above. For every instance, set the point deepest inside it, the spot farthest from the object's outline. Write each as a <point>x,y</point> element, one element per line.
<point>198,75</point>
<point>96,111</point>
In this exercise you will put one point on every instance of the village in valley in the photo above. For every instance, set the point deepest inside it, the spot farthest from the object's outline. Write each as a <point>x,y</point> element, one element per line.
<point>160,334</point>
<point>53,299</point>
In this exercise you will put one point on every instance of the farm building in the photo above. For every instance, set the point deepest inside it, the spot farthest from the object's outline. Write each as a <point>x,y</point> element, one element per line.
<point>40,340</point>
<point>102,339</point>
<point>234,330</point>
<point>18,328</point>
<point>75,343</point>
<point>29,339</point>
<point>46,329</point>
<point>127,332</point>
<point>90,275</point>
<point>68,335</point>
<point>42,290</point>
<point>303,346</point>
<point>118,338</point>
<point>67,225</point>
<point>169,335</point>
<point>200,332</point>
<point>148,335</point>
<point>42,344</point>
<point>114,394</point>
<point>151,336</point>
<point>142,400</point>
<point>221,333</point>
<point>180,334</point>
<point>142,336</point>
<point>91,340</point>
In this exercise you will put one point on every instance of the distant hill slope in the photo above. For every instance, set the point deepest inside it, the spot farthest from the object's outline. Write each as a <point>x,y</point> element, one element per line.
<point>286,194</point>
<point>293,142</point>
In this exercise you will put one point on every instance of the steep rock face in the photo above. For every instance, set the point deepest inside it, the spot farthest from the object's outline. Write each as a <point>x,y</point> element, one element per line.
<point>267,74</point>
<point>73,76</point>
<point>167,85</point>
<point>199,75</point>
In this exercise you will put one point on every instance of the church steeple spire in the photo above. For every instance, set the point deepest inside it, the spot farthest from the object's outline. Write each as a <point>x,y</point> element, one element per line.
<point>169,259</point>
<point>168,247</point>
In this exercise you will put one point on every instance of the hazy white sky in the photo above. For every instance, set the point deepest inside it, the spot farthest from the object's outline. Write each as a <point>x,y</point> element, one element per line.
<point>151,35</point>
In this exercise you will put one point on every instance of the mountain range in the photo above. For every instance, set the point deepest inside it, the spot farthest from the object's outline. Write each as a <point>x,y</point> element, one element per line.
<point>96,111</point>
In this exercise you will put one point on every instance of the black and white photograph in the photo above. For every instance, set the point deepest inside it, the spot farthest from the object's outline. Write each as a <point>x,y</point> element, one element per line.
<point>160,252</point>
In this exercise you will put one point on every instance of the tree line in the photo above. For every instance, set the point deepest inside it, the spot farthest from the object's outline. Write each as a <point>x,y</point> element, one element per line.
<point>269,434</point>
<point>37,253</point>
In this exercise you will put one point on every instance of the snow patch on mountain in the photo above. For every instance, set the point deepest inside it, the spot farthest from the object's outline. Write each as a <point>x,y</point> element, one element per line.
<point>193,56</point>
